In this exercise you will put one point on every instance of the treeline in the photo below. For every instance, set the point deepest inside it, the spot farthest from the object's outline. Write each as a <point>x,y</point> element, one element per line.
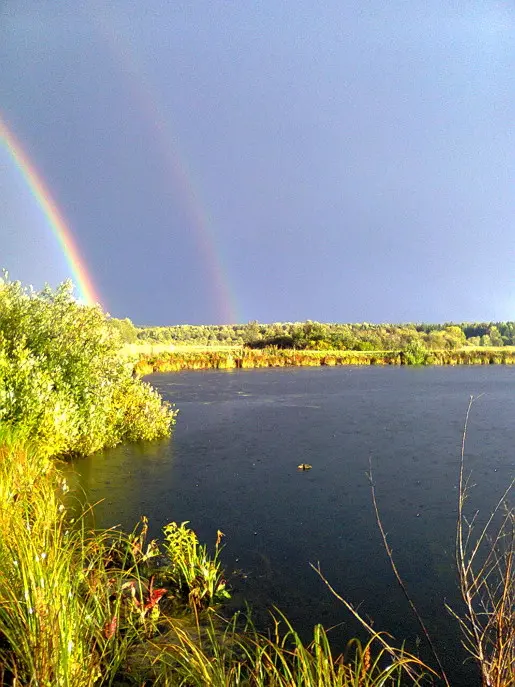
<point>325,336</point>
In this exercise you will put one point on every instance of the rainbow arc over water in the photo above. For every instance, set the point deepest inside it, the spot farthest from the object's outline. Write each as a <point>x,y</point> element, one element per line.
<point>180,178</point>
<point>53,216</point>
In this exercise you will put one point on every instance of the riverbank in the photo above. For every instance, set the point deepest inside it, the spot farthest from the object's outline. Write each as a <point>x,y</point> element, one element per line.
<point>243,358</point>
<point>80,608</point>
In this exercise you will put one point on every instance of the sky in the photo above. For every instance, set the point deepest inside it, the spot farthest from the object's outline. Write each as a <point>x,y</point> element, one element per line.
<point>225,161</point>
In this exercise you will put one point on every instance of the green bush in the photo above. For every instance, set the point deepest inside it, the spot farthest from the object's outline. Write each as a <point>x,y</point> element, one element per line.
<point>415,353</point>
<point>62,381</point>
<point>192,568</point>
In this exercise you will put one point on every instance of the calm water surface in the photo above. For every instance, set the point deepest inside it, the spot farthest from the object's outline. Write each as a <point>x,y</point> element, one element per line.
<point>232,465</point>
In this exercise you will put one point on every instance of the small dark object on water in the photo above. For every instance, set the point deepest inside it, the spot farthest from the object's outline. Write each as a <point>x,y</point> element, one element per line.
<point>304,466</point>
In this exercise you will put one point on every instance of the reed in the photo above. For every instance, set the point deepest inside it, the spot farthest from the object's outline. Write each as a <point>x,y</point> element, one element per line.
<point>75,603</point>
<point>50,621</point>
<point>81,608</point>
<point>238,358</point>
<point>233,658</point>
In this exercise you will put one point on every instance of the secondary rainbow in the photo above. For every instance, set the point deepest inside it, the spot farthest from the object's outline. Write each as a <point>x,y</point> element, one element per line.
<point>54,217</point>
<point>179,172</point>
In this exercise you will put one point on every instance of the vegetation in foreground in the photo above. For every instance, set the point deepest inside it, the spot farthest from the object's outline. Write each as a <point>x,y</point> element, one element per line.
<point>62,380</point>
<point>81,608</point>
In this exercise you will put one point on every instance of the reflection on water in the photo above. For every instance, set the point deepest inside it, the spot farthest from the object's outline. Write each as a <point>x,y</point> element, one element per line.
<point>232,464</point>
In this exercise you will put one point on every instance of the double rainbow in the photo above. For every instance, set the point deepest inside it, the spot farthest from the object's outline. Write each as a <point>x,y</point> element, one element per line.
<point>180,178</point>
<point>54,217</point>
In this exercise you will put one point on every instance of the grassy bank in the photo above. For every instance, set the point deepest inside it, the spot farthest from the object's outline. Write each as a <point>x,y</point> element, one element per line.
<point>238,358</point>
<point>80,608</point>
<point>134,351</point>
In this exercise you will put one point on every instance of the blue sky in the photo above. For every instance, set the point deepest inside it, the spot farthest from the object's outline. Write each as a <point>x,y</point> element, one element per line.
<point>337,161</point>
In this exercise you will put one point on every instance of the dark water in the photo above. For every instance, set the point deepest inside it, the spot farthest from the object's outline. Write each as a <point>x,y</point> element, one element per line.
<point>232,465</point>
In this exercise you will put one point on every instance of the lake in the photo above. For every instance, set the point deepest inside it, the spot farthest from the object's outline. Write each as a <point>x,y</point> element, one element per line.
<point>232,465</point>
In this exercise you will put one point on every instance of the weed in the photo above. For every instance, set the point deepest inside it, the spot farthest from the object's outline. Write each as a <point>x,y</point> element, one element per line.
<point>192,569</point>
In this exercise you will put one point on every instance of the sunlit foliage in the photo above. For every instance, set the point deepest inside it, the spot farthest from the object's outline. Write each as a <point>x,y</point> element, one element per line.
<point>326,336</point>
<point>62,381</point>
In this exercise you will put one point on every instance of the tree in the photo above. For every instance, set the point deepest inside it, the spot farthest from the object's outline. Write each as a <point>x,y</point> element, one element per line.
<point>252,332</point>
<point>127,331</point>
<point>415,353</point>
<point>454,337</point>
<point>495,337</point>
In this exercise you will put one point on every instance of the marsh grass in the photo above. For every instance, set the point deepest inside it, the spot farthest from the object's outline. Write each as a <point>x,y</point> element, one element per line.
<point>47,624</point>
<point>134,351</point>
<point>63,613</point>
<point>81,608</point>
<point>245,358</point>
<point>235,657</point>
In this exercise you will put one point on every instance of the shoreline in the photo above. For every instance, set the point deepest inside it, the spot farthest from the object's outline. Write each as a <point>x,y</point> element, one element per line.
<point>176,361</point>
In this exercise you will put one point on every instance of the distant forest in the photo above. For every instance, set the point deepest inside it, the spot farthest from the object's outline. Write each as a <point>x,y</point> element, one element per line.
<point>325,336</point>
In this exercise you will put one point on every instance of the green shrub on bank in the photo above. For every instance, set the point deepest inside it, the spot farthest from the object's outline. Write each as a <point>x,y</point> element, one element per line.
<point>62,382</point>
<point>415,353</point>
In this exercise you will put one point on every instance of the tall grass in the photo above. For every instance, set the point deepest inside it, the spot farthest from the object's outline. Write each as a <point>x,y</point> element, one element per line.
<point>63,617</point>
<point>81,608</point>
<point>234,658</point>
<point>133,351</point>
<point>259,358</point>
<point>238,358</point>
<point>47,624</point>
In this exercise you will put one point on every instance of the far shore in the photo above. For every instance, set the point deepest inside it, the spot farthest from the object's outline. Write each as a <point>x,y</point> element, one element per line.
<point>178,358</point>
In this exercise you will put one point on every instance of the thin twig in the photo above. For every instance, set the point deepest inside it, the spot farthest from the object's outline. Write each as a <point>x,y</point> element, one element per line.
<point>488,592</point>
<point>400,580</point>
<point>389,649</point>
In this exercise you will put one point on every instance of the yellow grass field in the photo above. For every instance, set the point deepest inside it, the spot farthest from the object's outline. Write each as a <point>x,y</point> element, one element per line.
<point>135,351</point>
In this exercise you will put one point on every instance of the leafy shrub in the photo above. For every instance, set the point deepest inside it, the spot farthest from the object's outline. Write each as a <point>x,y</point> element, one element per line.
<point>62,381</point>
<point>192,569</point>
<point>415,353</point>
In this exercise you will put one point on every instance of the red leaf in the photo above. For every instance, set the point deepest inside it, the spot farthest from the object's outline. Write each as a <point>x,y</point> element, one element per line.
<point>110,628</point>
<point>153,597</point>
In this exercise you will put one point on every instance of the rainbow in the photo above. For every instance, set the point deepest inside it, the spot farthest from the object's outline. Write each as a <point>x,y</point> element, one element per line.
<point>180,176</point>
<point>53,215</point>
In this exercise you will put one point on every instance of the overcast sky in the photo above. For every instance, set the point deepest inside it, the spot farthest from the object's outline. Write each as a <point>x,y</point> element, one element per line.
<point>346,160</point>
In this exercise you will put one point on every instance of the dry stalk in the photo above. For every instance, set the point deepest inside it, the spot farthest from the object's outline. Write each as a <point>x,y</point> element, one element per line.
<point>392,651</point>
<point>487,583</point>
